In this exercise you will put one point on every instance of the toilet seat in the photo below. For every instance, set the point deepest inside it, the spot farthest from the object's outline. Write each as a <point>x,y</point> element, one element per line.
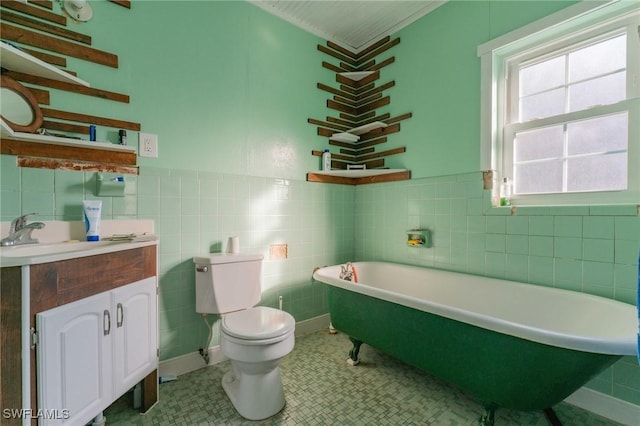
<point>260,323</point>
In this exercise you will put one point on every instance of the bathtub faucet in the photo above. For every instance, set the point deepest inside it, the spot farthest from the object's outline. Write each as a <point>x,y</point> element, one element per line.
<point>20,232</point>
<point>348,272</point>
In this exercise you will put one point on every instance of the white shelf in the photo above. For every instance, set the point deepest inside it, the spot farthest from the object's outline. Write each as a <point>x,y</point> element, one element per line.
<point>344,137</point>
<point>367,128</point>
<point>55,140</point>
<point>351,135</point>
<point>356,76</point>
<point>5,129</point>
<point>358,173</point>
<point>15,59</point>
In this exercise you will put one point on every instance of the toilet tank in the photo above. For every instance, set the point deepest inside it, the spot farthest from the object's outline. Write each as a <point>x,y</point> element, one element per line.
<point>227,282</point>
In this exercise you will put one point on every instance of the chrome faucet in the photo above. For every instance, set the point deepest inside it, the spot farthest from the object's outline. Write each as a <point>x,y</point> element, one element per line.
<point>20,232</point>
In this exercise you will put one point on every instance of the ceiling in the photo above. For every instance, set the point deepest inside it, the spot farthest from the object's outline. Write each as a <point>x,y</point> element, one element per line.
<point>354,24</point>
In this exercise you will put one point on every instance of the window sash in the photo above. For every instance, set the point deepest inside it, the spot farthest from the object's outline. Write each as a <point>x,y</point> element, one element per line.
<point>505,100</point>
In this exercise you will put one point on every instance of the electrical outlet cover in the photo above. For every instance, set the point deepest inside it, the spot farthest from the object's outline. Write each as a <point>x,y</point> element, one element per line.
<point>148,145</point>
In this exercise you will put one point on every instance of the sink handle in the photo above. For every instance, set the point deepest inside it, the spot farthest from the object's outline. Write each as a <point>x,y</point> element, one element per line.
<point>19,223</point>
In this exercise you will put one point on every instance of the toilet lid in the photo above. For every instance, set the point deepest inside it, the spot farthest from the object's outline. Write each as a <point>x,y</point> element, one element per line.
<point>258,323</point>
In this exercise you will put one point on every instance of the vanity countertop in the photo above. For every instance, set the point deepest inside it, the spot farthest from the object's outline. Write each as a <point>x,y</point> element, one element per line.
<point>32,254</point>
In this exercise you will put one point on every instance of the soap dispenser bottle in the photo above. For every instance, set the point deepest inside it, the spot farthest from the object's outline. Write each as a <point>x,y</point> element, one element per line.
<point>326,160</point>
<point>506,189</point>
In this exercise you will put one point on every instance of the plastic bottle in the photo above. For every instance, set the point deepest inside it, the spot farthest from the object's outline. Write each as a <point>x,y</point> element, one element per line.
<point>326,160</point>
<point>506,189</point>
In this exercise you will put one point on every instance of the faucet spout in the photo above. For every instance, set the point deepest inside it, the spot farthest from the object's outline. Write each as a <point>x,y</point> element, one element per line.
<point>20,232</point>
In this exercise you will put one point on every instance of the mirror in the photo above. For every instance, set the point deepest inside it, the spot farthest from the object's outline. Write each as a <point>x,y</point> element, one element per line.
<point>18,107</point>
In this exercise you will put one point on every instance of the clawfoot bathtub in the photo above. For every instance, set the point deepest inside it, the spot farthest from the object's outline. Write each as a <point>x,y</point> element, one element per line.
<point>509,344</point>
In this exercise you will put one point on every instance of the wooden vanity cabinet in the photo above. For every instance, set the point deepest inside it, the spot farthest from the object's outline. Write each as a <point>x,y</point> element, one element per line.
<point>123,283</point>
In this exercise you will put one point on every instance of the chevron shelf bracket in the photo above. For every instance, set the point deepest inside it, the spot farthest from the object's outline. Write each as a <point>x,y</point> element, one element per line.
<point>358,128</point>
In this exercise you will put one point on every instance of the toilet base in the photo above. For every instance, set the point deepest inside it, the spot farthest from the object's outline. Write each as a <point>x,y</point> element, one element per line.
<point>255,396</point>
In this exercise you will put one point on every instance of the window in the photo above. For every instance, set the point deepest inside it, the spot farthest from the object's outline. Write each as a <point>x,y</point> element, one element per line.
<point>562,107</point>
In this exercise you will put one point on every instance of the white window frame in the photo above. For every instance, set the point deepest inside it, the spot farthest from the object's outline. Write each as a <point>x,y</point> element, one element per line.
<point>569,26</point>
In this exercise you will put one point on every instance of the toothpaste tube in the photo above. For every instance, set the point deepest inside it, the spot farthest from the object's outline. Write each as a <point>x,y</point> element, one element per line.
<point>92,210</point>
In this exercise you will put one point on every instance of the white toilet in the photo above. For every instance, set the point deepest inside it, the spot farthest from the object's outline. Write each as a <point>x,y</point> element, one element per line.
<point>255,339</point>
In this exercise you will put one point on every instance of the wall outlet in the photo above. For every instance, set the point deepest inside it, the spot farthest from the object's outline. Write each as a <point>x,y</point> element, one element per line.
<point>148,145</point>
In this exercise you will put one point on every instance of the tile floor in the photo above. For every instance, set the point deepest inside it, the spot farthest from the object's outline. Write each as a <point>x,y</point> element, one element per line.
<point>321,389</point>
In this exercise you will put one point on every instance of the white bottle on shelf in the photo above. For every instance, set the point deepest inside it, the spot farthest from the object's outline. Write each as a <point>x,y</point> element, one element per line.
<point>326,160</point>
<point>506,191</point>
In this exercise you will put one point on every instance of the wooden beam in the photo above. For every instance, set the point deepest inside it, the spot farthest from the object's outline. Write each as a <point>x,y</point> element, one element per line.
<point>378,51</point>
<point>123,3</point>
<point>357,83</point>
<point>373,105</point>
<point>84,166</point>
<point>341,107</point>
<point>38,149</point>
<point>398,118</point>
<point>90,119</point>
<point>47,4</point>
<point>65,127</point>
<point>347,67</point>
<point>342,50</point>
<point>336,91</point>
<point>41,95</point>
<point>374,46</point>
<point>372,142</point>
<point>69,87</point>
<point>376,133</point>
<point>337,127</point>
<point>337,55</point>
<point>364,101</point>
<point>364,88</point>
<point>34,11</point>
<point>380,154</point>
<point>348,102</point>
<point>356,153</point>
<point>44,27</point>
<point>347,124</point>
<point>53,44</point>
<point>59,61</point>
<point>382,64</point>
<point>331,67</point>
<point>378,89</point>
<point>367,66</point>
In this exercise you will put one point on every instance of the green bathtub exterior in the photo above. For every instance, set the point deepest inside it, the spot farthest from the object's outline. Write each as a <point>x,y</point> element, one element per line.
<point>498,369</point>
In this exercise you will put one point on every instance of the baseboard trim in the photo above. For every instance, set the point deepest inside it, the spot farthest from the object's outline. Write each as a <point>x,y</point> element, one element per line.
<point>606,406</point>
<point>193,361</point>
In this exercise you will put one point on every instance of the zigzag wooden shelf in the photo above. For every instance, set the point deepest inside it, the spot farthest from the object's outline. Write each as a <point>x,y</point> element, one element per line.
<point>358,128</point>
<point>35,24</point>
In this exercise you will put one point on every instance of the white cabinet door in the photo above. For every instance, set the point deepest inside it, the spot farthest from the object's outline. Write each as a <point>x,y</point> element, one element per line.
<point>74,360</point>
<point>135,333</point>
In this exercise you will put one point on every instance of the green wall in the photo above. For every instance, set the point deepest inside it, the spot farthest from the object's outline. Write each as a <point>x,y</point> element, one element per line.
<point>228,89</point>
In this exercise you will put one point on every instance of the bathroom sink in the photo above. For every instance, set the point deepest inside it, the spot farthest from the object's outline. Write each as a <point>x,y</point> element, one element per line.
<point>51,252</point>
<point>29,250</point>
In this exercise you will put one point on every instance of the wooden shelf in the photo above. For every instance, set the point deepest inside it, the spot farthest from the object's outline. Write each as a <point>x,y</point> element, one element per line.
<point>17,60</point>
<point>359,177</point>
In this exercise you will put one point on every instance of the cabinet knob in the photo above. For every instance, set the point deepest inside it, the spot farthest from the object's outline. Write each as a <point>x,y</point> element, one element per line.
<point>202,268</point>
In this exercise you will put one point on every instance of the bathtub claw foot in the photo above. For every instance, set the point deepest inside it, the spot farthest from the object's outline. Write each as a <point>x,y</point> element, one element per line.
<point>488,418</point>
<point>353,353</point>
<point>552,417</point>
